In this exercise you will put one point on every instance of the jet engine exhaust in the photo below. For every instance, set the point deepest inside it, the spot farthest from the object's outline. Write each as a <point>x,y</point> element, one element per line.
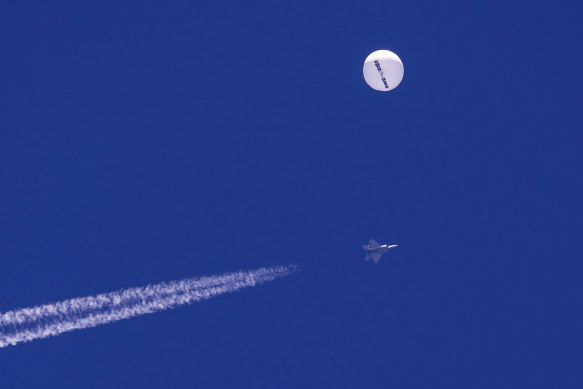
<point>27,324</point>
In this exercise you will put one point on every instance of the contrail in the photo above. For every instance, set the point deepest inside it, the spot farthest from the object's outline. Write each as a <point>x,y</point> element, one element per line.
<point>24,325</point>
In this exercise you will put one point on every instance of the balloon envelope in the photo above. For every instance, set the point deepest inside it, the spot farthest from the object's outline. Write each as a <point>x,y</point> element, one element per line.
<point>383,70</point>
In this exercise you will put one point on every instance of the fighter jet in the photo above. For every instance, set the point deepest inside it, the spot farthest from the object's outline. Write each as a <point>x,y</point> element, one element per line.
<point>375,251</point>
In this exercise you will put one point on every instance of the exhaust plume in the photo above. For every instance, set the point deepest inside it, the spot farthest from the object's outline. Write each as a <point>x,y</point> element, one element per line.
<point>24,325</point>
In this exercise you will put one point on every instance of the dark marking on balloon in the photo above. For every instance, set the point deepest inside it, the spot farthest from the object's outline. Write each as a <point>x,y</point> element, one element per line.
<point>378,65</point>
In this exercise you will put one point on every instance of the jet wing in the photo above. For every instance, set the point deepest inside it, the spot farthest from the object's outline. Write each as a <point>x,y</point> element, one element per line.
<point>376,257</point>
<point>373,244</point>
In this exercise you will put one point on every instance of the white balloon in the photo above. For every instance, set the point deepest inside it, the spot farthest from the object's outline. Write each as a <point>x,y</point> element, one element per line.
<point>383,70</point>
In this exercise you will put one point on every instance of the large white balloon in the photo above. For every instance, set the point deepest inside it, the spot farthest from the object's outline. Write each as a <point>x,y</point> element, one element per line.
<point>383,70</point>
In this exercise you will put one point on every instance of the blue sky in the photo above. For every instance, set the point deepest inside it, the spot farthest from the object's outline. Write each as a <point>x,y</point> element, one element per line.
<point>149,141</point>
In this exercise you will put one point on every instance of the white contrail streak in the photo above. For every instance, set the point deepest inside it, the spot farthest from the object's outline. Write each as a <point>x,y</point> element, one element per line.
<point>24,325</point>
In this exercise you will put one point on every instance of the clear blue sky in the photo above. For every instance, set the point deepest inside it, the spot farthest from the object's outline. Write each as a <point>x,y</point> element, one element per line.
<point>150,141</point>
